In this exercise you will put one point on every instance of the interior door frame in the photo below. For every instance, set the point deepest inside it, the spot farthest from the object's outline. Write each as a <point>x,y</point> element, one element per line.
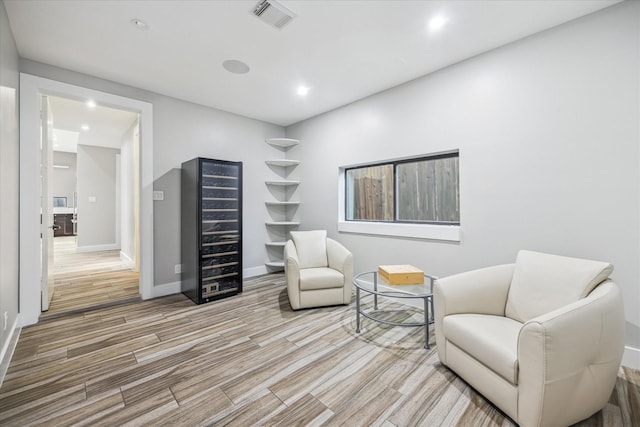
<point>31,87</point>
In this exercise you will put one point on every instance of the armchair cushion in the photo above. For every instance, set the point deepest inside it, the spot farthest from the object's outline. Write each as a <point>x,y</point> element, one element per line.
<point>542,283</point>
<point>320,278</point>
<point>311,247</point>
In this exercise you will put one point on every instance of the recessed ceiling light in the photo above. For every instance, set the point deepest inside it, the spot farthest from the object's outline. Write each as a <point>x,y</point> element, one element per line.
<point>236,67</point>
<point>303,90</point>
<point>139,24</point>
<point>84,127</point>
<point>437,22</point>
<point>91,104</point>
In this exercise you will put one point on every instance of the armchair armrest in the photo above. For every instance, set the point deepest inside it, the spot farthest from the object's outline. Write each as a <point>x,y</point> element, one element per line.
<point>482,291</point>
<point>339,258</point>
<point>568,359</point>
<point>292,273</point>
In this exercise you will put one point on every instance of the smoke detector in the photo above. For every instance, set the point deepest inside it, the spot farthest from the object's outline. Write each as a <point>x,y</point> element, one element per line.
<point>273,13</point>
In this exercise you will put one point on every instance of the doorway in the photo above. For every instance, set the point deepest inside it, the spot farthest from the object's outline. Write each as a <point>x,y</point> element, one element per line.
<point>31,88</point>
<point>95,205</point>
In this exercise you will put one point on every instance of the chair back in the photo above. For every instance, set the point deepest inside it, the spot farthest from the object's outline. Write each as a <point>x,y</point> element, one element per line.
<point>542,283</point>
<point>311,247</point>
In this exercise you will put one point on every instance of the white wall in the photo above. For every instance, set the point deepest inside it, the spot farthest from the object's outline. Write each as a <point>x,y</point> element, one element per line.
<point>127,193</point>
<point>548,133</point>
<point>64,180</point>
<point>97,208</point>
<point>197,131</point>
<point>183,130</point>
<point>9,187</point>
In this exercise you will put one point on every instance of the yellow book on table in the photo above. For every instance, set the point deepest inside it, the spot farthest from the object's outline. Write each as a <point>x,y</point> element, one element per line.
<point>401,274</point>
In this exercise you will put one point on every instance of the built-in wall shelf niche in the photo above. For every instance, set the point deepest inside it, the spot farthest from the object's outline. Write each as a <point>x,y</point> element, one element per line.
<point>282,206</point>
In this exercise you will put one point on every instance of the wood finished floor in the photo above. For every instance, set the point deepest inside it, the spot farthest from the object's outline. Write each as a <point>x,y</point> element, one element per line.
<point>92,279</point>
<point>243,361</point>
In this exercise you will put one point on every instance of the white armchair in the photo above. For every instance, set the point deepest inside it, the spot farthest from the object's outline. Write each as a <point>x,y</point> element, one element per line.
<point>319,270</point>
<point>542,338</point>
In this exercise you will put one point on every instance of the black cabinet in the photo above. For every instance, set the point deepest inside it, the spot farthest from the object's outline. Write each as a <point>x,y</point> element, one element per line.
<point>211,226</point>
<point>63,224</point>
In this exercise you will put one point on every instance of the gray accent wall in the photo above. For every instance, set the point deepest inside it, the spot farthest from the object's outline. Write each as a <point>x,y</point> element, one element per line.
<point>64,180</point>
<point>97,206</point>
<point>548,133</point>
<point>9,186</point>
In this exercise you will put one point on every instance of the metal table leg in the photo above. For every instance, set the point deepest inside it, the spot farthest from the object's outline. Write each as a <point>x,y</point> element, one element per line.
<point>357,310</point>
<point>426,322</point>
<point>375,288</point>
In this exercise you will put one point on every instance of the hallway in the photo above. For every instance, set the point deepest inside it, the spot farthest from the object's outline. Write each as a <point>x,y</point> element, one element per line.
<point>89,280</point>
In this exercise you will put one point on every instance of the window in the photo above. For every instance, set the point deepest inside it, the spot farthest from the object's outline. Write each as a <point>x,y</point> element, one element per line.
<point>420,190</point>
<point>59,202</point>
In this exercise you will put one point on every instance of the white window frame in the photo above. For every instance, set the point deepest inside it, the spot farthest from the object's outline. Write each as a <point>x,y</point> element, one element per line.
<point>444,232</point>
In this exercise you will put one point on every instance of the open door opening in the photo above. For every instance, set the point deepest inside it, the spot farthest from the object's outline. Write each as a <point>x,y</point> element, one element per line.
<point>91,174</point>
<point>31,90</point>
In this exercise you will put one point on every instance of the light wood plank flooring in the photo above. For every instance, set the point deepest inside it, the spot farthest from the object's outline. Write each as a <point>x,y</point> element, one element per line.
<point>243,361</point>
<point>92,279</point>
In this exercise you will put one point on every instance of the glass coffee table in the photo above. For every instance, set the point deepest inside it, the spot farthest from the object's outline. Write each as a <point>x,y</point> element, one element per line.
<point>367,282</point>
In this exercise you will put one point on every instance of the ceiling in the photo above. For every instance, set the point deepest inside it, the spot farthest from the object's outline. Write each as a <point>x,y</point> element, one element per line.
<point>104,126</point>
<point>341,51</point>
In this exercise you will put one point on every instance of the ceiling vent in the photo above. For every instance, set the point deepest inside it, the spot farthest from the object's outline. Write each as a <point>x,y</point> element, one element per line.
<point>273,13</point>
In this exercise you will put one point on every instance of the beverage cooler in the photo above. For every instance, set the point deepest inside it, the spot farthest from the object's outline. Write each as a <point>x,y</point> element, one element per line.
<point>211,226</point>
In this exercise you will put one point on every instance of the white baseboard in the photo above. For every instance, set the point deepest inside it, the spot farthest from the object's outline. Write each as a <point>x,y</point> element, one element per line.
<point>254,271</point>
<point>126,259</point>
<point>165,289</point>
<point>97,248</point>
<point>631,357</point>
<point>175,287</point>
<point>8,348</point>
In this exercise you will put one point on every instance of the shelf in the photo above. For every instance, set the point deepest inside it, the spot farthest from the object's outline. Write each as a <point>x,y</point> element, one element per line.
<point>282,142</point>
<point>276,244</point>
<point>283,162</point>
<point>282,183</point>
<point>279,264</point>
<point>220,176</point>
<point>282,203</point>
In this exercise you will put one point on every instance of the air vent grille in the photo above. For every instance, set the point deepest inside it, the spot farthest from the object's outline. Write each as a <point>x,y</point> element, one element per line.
<point>273,13</point>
